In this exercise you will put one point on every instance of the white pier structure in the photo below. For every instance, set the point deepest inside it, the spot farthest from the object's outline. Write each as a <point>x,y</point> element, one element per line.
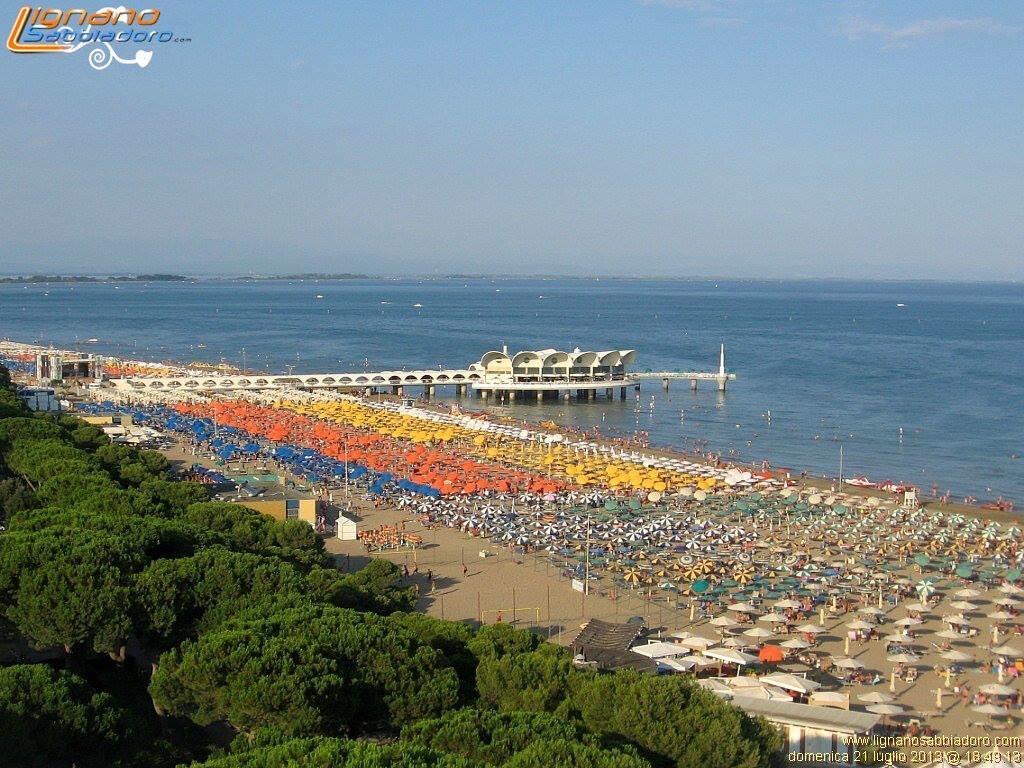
<point>537,374</point>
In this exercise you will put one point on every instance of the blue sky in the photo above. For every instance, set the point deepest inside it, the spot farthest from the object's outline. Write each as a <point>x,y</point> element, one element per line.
<point>854,138</point>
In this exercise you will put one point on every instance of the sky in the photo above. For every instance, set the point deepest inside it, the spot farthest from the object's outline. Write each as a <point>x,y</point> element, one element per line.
<point>745,138</point>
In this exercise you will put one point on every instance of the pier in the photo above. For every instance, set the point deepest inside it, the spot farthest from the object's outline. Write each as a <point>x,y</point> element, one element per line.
<point>530,374</point>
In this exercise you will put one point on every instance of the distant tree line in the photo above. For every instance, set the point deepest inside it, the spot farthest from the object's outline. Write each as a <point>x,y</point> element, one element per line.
<point>163,613</point>
<point>154,278</point>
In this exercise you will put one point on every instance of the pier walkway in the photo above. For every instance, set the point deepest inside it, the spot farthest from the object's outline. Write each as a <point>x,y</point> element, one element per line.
<point>478,379</point>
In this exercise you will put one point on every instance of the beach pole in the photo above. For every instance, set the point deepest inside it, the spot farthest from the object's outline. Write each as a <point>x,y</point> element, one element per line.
<point>949,677</point>
<point>938,699</point>
<point>549,603</point>
<point>479,613</point>
<point>846,646</point>
<point>892,681</point>
<point>513,605</point>
<point>821,616</point>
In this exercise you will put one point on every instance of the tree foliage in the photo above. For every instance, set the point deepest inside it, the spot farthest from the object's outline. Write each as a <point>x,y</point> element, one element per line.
<point>50,718</point>
<point>306,670</point>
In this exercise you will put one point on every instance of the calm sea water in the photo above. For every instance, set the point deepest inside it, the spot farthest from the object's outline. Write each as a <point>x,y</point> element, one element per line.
<point>835,363</point>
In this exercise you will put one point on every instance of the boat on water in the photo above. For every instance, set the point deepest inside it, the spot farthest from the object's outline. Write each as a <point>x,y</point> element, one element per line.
<point>319,295</point>
<point>861,482</point>
<point>417,306</point>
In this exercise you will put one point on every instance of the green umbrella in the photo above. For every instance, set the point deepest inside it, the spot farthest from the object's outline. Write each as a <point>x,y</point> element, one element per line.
<point>965,570</point>
<point>700,586</point>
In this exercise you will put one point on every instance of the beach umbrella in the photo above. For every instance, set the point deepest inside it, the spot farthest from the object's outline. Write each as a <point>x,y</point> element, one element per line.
<point>757,632</point>
<point>957,656</point>
<point>730,656</point>
<point>795,644</point>
<point>791,682</point>
<point>743,608</point>
<point>967,592</point>
<point>812,629</point>
<point>925,588</point>
<point>963,605</point>
<point>771,654</point>
<point>903,658</point>
<point>1008,651</point>
<point>860,625</point>
<point>848,663</point>
<point>724,621</point>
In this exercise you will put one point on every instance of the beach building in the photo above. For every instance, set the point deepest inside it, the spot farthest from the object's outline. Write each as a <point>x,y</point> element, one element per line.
<point>39,399</point>
<point>813,735</point>
<point>284,508</point>
<point>347,528</point>
<point>55,365</point>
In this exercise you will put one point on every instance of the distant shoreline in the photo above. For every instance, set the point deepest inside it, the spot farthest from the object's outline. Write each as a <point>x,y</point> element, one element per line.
<point>33,279</point>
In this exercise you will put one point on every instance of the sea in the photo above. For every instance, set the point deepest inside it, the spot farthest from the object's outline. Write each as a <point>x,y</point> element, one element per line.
<point>916,382</point>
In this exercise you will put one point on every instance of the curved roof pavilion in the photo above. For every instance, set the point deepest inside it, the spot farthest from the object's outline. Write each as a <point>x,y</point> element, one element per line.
<point>555,365</point>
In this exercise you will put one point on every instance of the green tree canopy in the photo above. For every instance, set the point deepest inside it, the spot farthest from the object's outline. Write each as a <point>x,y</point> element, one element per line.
<point>51,718</point>
<point>305,670</point>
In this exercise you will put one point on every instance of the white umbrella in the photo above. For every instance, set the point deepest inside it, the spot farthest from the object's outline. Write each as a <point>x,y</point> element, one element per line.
<point>772,618</point>
<point>847,663</point>
<point>955,655</point>
<point>791,682</point>
<point>812,629</point>
<point>795,644</point>
<point>860,625</point>
<point>724,621</point>
<point>903,658</point>
<point>757,632</point>
<point>743,608</point>
<point>908,621</point>
<point>963,605</point>
<point>967,592</point>
<point>1008,650</point>
<point>697,643</point>
<point>730,656</point>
